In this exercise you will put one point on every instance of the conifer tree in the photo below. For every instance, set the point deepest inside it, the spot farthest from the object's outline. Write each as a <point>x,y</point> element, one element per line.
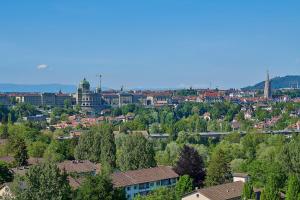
<point>293,191</point>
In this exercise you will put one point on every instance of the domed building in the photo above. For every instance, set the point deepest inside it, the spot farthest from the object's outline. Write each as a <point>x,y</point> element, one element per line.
<point>89,101</point>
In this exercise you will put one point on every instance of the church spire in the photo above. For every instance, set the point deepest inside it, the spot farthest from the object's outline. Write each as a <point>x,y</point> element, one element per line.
<point>267,90</point>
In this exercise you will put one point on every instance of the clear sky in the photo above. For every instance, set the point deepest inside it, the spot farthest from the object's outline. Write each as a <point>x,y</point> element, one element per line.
<point>149,43</point>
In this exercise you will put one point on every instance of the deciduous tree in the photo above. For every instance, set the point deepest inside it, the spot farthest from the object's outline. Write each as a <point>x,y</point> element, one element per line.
<point>183,186</point>
<point>134,151</point>
<point>218,171</point>
<point>99,187</point>
<point>44,181</point>
<point>191,163</point>
<point>20,153</point>
<point>293,191</point>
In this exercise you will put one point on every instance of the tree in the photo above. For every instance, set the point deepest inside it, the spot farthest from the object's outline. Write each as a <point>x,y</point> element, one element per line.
<point>248,192</point>
<point>183,186</point>
<point>134,151</point>
<point>169,156</point>
<point>59,150</point>
<point>37,149</point>
<point>97,145</point>
<point>291,155</point>
<point>271,191</point>
<point>218,171</point>
<point>98,187</point>
<point>108,146</point>
<point>20,155</point>
<point>191,163</point>
<point>162,193</point>
<point>44,181</point>
<point>293,190</point>
<point>4,131</point>
<point>88,147</point>
<point>5,173</point>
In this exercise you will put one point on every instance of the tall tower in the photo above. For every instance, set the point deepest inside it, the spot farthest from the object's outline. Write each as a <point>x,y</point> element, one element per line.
<point>267,90</point>
<point>99,88</point>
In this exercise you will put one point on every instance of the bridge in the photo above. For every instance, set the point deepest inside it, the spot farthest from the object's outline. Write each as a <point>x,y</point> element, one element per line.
<point>220,134</point>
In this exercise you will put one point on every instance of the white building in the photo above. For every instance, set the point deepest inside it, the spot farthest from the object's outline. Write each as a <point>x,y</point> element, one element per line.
<point>143,181</point>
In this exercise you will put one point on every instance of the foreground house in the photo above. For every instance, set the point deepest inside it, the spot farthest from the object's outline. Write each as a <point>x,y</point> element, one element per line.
<point>229,191</point>
<point>5,192</point>
<point>143,181</point>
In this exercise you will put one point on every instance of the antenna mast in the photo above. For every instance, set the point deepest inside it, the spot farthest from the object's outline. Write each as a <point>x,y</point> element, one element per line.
<point>100,81</point>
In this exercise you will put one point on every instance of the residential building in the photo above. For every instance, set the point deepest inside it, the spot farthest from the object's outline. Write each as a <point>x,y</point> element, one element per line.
<point>111,99</point>
<point>211,97</point>
<point>206,116</point>
<point>48,99</point>
<point>228,191</point>
<point>139,98</point>
<point>118,99</point>
<point>143,181</point>
<point>241,177</point>
<point>4,99</point>
<point>248,114</point>
<point>80,167</point>
<point>125,98</point>
<point>34,99</point>
<point>36,118</point>
<point>44,99</point>
<point>61,98</point>
<point>158,99</point>
<point>5,191</point>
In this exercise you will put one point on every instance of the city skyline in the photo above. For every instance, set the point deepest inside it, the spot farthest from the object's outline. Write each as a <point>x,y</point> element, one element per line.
<point>169,44</point>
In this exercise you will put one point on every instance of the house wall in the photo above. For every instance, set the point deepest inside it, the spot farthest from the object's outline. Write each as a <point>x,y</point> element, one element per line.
<point>242,179</point>
<point>195,196</point>
<point>5,192</point>
<point>144,188</point>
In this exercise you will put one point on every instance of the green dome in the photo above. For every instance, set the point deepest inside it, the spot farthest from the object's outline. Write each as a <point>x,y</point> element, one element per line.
<point>84,84</point>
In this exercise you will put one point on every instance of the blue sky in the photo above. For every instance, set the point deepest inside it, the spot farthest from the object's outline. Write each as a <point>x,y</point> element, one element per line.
<point>149,43</point>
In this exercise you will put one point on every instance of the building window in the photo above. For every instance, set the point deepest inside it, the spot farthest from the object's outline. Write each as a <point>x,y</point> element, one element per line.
<point>143,186</point>
<point>158,183</point>
<point>128,188</point>
<point>165,182</point>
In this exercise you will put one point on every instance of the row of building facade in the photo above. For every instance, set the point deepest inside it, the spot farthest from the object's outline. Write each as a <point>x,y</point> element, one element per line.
<point>95,100</point>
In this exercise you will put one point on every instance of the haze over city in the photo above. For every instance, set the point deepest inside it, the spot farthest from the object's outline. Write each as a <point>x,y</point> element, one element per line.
<point>149,44</point>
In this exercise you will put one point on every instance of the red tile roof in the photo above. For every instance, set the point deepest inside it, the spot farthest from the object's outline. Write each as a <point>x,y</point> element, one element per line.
<point>122,179</point>
<point>223,192</point>
<point>83,166</point>
<point>75,182</point>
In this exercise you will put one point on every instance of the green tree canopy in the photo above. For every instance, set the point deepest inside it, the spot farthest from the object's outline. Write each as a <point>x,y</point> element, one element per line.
<point>248,192</point>
<point>293,190</point>
<point>183,186</point>
<point>5,173</point>
<point>271,191</point>
<point>20,153</point>
<point>134,151</point>
<point>218,171</point>
<point>44,181</point>
<point>98,187</point>
<point>97,145</point>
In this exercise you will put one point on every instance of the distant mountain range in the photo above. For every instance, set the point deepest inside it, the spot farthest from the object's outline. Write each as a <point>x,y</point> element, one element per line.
<point>278,83</point>
<point>7,87</point>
